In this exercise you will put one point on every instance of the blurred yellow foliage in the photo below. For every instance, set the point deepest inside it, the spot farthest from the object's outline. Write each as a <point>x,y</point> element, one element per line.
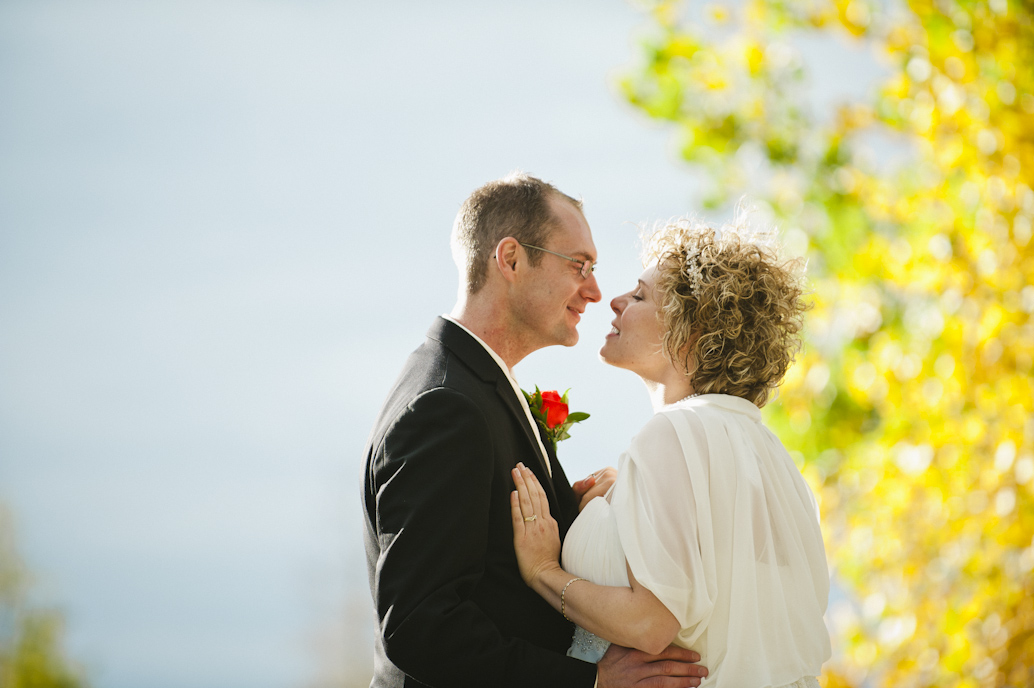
<point>30,637</point>
<point>912,408</point>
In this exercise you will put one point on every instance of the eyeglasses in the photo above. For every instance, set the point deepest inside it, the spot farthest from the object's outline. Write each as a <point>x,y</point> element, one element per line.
<point>586,267</point>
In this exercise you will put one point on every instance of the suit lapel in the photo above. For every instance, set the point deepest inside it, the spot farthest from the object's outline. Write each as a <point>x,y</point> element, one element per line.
<point>505,391</point>
<point>481,362</point>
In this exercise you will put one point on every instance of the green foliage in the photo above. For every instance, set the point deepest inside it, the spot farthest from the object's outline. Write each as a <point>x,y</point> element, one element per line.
<point>30,638</point>
<point>913,406</point>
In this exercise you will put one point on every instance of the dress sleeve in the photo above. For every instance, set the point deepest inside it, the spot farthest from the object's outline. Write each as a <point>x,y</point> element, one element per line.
<point>716,520</point>
<point>661,505</point>
<point>433,489</point>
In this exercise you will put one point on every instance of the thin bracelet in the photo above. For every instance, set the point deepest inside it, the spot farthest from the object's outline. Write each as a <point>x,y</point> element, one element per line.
<point>564,592</point>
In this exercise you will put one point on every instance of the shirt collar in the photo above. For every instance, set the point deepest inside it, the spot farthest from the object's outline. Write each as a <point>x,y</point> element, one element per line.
<point>493,354</point>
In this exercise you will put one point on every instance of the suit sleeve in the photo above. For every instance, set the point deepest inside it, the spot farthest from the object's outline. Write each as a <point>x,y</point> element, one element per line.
<point>432,477</point>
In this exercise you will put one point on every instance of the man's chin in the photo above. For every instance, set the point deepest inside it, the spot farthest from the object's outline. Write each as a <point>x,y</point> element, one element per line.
<point>566,337</point>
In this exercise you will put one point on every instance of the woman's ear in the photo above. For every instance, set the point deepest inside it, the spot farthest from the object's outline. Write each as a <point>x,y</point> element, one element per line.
<point>507,254</point>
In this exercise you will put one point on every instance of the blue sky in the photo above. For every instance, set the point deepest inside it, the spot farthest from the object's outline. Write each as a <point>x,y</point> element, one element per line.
<point>223,226</point>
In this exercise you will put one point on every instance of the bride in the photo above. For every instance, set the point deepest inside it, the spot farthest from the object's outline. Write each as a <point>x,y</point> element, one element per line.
<point>709,538</point>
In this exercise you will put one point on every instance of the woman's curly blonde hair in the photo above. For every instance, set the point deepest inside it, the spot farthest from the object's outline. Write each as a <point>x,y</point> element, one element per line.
<point>729,305</point>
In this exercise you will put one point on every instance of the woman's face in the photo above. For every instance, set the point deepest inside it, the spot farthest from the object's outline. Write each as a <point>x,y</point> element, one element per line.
<point>634,342</point>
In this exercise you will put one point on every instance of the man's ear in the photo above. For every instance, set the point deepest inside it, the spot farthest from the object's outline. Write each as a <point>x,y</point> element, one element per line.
<point>507,253</point>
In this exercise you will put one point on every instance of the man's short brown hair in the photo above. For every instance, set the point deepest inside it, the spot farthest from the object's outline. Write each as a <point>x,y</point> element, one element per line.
<point>515,206</point>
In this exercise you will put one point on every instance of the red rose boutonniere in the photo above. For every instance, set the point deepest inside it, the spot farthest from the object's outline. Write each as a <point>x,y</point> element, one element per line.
<point>550,410</point>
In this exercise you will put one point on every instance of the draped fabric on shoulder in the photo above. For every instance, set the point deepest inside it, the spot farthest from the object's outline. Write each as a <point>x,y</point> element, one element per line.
<point>715,519</point>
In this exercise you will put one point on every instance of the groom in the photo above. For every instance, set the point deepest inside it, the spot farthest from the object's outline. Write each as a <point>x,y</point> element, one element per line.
<point>452,607</point>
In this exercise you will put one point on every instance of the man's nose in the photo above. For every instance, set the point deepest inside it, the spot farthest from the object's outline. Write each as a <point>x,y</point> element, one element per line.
<point>591,289</point>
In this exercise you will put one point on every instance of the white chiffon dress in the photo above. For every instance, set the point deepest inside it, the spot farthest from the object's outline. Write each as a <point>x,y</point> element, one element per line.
<point>714,518</point>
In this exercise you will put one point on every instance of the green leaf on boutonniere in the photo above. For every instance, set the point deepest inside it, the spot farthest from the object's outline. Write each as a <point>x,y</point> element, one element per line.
<point>550,411</point>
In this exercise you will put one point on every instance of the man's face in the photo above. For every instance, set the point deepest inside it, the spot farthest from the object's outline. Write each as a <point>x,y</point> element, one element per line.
<point>551,302</point>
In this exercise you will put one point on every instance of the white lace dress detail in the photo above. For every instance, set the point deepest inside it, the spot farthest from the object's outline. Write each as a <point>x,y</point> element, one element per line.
<point>714,518</point>
<point>587,646</point>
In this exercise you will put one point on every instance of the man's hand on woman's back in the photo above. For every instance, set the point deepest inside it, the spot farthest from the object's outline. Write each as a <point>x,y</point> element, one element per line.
<point>676,667</point>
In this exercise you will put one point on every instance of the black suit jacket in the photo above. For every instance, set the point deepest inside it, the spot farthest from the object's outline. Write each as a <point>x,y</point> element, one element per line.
<point>452,607</point>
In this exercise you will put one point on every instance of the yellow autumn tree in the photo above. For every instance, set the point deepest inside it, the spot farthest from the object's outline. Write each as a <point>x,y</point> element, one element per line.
<point>31,655</point>
<point>913,405</point>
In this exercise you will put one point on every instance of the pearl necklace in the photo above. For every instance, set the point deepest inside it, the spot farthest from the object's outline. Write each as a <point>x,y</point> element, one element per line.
<point>694,394</point>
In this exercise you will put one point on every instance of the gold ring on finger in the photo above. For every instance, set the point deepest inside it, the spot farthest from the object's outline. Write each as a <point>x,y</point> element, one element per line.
<point>530,518</point>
